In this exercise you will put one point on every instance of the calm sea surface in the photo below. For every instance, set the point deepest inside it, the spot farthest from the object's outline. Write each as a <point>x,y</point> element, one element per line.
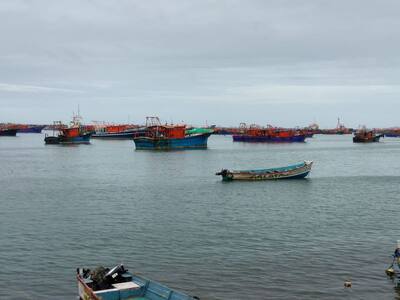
<point>167,216</point>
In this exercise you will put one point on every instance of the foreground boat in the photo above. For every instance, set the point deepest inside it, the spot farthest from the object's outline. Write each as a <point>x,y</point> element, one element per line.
<point>119,284</point>
<point>296,171</point>
<point>366,136</point>
<point>74,134</point>
<point>170,137</point>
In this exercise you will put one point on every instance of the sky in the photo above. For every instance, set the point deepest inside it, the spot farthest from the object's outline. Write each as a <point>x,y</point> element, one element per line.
<point>284,63</point>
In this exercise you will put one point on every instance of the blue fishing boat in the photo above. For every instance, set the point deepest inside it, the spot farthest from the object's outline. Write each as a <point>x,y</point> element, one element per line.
<point>269,139</point>
<point>119,284</point>
<point>170,137</point>
<point>296,171</point>
<point>392,134</point>
<point>31,128</point>
<point>198,141</point>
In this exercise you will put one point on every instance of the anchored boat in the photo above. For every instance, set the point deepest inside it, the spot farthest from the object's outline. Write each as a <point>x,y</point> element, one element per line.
<point>170,137</point>
<point>30,128</point>
<point>366,136</point>
<point>257,134</point>
<point>8,132</point>
<point>119,284</point>
<point>117,132</point>
<point>296,171</point>
<point>76,133</point>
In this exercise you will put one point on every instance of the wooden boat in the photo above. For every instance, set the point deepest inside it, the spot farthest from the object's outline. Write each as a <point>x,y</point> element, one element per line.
<point>366,136</point>
<point>296,171</point>
<point>119,284</point>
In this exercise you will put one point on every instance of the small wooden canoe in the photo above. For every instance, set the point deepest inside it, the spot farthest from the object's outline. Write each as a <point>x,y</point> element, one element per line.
<point>119,284</point>
<point>296,171</point>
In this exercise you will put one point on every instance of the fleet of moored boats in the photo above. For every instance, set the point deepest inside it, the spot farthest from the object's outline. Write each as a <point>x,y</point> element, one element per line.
<point>117,283</point>
<point>157,136</point>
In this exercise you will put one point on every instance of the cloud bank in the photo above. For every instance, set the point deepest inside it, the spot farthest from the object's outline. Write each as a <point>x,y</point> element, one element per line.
<point>282,62</point>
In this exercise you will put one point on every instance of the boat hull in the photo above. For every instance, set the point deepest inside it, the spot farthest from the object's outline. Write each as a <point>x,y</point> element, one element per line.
<point>392,135</point>
<point>122,135</point>
<point>297,171</point>
<point>8,132</point>
<point>189,142</point>
<point>374,139</point>
<point>268,139</point>
<point>32,129</point>
<point>52,140</point>
<point>128,134</point>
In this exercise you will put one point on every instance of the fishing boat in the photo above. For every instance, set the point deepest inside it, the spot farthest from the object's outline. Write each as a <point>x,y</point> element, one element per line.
<point>391,132</point>
<point>119,284</point>
<point>8,131</point>
<point>296,171</point>
<point>118,132</point>
<point>364,135</point>
<point>340,129</point>
<point>257,134</point>
<point>170,137</point>
<point>76,133</point>
<point>30,128</point>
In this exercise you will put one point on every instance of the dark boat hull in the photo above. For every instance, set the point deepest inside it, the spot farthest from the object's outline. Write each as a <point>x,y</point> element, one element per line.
<point>82,139</point>
<point>32,129</point>
<point>268,139</point>
<point>122,135</point>
<point>128,134</point>
<point>374,139</point>
<point>393,135</point>
<point>189,142</point>
<point>8,132</point>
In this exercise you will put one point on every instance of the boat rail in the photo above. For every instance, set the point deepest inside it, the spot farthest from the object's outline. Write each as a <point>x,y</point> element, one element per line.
<point>88,291</point>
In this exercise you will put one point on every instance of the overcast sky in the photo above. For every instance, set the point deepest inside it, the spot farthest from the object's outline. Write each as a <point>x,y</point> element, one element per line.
<point>285,63</point>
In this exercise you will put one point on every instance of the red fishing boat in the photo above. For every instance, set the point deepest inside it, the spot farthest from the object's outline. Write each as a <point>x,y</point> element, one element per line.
<point>268,134</point>
<point>121,131</point>
<point>170,137</point>
<point>363,135</point>
<point>76,133</point>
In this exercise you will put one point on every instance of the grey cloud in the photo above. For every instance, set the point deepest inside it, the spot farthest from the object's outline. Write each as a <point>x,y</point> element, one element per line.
<point>304,58</point>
